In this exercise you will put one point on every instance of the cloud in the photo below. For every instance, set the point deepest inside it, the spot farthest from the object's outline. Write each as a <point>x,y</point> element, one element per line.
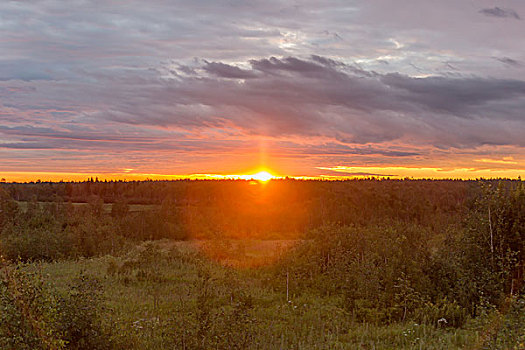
<point>349,171</point>
<point>496,161</point>
<point>455,95</point>
<point>26,70</point>
<point>508,61</point>
<point>223,70</point>
<point>280,98</point>
<point>25,145</point>
<point>325,97</point>
<point>500,12</point>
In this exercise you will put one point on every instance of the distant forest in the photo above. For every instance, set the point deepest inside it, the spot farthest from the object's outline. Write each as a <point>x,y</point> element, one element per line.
<point>283,207</point>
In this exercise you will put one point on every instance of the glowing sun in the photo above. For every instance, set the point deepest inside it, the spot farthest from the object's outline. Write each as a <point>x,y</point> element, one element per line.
<point>262,176</point>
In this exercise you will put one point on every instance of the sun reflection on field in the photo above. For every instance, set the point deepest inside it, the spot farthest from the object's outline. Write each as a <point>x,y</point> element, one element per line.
<point>245,253</point>
<point>246,223</point>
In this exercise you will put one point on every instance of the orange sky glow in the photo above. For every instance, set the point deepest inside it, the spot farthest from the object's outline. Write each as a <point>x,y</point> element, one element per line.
<point>336,173</point>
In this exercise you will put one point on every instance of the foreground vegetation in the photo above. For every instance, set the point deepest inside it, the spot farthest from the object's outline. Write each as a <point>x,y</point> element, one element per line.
<point>438,268</point>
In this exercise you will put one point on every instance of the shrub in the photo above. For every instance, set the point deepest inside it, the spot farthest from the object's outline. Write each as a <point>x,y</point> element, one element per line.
<point>35,316</point>
<point>442,313</point>
<point>28,312</point>
<point>78,320</point>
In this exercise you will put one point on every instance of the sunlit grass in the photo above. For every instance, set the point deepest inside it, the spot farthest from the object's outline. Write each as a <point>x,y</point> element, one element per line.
<point>143,310</point>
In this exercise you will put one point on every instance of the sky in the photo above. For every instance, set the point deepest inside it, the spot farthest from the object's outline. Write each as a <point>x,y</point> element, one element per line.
<point>167,89</point>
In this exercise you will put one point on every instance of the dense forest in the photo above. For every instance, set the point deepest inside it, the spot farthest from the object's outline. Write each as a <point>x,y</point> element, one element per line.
<point>370,263</point>
<point>282,207</point>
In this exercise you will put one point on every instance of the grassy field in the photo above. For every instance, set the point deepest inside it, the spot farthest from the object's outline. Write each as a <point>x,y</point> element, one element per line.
<point>159,294</point>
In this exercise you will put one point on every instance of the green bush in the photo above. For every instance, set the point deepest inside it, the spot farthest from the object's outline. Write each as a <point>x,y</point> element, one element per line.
<point>79,322</point>
<point>34,316</point>
<point>38,243</point>
<point>443,313</point>
<point>28,312</point>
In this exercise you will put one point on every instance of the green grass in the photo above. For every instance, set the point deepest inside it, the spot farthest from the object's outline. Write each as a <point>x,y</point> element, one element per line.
<point>155,311</point>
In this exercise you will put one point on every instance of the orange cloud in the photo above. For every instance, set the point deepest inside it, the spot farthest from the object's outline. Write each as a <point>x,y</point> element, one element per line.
<point>423,172</point>
<point>505,160</point>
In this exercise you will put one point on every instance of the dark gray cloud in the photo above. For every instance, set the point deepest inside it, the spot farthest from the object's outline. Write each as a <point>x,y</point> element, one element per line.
<point>455,95</point>
<point>323,97</point>
<point>227,71</point>
<point>335,149</point>
<point>25,145</point>
<point>508,61</point>
<point>289,97</point>
<point>500,12</point>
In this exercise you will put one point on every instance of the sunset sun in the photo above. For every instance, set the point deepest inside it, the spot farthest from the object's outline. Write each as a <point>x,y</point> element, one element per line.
<point>262,176</point>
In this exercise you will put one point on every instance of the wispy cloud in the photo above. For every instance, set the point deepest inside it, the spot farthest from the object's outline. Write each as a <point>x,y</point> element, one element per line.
<point>500,12</point>
<point>508,61</point>
<point>508,160</point>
